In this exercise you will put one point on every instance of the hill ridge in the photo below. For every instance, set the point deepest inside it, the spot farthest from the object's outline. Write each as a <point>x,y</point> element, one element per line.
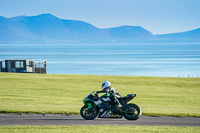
<point>47,27</point>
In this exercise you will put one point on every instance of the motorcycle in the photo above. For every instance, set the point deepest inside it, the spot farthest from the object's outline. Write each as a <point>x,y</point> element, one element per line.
<point>103,107</point>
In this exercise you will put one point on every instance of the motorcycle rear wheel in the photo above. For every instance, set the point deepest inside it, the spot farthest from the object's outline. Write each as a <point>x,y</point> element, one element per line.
<point>88,113</point>
<point>133,115</point>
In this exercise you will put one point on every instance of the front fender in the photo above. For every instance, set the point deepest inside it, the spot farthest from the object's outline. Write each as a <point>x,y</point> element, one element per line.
<point>88,101</point>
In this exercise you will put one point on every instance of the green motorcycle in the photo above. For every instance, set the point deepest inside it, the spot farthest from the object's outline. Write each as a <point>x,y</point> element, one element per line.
<point>103,107</point>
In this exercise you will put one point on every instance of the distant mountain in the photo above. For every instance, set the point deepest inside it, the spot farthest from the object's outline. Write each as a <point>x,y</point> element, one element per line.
<point>128,33</point>
<point>11,30</point>
<point>46,27</point>
<point>188,36</point>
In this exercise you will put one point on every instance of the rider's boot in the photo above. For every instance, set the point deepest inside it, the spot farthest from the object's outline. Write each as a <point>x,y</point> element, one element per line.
<point>118,106</point>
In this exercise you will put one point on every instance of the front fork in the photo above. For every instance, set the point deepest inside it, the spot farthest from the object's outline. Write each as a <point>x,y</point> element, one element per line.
<point>91,108</point>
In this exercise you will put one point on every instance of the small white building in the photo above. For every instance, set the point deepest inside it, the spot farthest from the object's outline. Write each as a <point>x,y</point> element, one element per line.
<point>23,66</point>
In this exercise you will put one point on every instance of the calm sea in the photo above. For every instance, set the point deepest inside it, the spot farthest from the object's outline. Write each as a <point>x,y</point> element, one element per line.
<point>150,59</point>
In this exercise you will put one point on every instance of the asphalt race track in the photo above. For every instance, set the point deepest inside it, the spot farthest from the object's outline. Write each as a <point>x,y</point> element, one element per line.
<point>43,120</point>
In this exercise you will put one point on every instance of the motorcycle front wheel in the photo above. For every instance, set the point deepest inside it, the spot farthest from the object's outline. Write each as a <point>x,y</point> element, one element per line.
<point>89,113</point>
<point>133,113</point>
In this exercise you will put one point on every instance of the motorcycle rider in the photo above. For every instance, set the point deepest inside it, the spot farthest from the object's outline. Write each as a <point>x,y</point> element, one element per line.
<point>108,89</point>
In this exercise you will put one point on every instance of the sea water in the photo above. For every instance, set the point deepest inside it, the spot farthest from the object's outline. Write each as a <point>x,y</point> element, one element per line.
<point>127,59</point>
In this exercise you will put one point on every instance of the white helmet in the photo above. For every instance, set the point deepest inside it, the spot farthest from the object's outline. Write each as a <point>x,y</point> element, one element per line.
<point>105,84</point>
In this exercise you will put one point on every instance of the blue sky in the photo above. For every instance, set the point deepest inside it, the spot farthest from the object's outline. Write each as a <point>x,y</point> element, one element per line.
<point>157,16</point>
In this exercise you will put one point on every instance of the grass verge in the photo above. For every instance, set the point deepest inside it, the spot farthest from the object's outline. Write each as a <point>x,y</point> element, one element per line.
<point>38,93</point>
<point>98,129</point>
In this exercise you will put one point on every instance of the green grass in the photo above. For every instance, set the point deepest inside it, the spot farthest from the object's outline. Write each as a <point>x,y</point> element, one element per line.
<point>98,129</point>
<point>38,93</point>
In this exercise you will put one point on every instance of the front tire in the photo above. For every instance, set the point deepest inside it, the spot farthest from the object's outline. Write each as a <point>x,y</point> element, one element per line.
<point>134,114</point>
<point>89,113</point>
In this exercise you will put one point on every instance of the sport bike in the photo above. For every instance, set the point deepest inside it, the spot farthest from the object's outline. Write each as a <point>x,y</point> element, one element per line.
<point>103,107</point>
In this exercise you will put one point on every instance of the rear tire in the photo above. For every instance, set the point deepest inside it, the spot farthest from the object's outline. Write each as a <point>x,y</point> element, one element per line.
<point>88,114</point>
<point>133,115</point>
